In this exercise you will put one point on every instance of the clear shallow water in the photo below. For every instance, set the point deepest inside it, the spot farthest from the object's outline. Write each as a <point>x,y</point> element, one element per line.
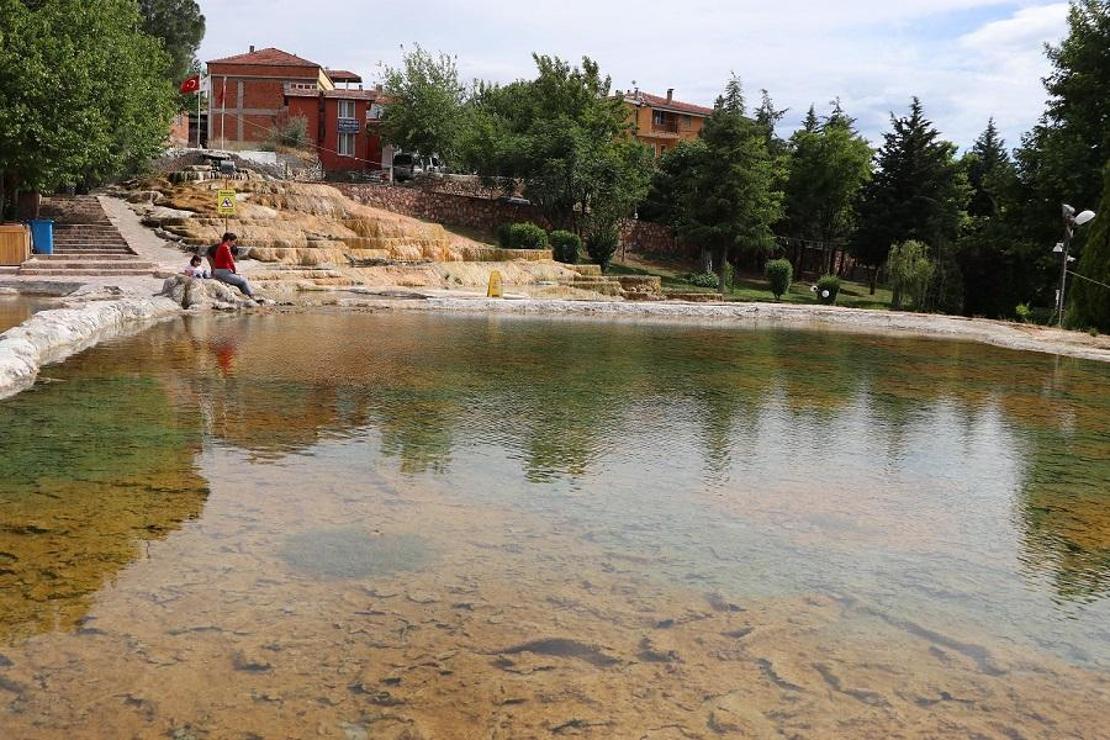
<point>15,309</point>
<point>389,524</point>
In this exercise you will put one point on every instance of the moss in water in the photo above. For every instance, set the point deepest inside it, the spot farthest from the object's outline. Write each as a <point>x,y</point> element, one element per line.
<point>354,553</point>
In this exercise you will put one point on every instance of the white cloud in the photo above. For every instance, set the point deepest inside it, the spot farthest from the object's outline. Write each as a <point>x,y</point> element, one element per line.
<point>966,59</point>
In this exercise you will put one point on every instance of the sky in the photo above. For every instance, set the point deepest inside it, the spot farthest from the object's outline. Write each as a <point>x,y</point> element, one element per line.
<point>967,60</point>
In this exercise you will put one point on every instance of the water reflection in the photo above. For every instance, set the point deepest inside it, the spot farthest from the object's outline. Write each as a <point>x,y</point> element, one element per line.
<point>544,526</point>
<point>784,408</point>
<point>90,469</point>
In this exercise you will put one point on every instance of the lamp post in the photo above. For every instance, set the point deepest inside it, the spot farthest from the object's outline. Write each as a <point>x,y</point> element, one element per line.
<point>1071,220</point>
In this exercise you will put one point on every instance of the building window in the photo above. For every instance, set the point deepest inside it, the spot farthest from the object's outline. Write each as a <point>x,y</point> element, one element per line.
<point>347,145</point>
<point>687,121</point>
<point>659,118</point>
<point>346,109</point>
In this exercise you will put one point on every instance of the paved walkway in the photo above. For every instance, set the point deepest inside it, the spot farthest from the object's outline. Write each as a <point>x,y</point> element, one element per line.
<point>166,256</point>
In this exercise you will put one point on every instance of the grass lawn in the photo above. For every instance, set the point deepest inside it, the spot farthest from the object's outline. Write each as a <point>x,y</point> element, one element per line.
<point>751,288</point>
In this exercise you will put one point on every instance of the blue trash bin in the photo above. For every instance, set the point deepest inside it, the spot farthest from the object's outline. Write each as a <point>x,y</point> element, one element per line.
<point>42,235</point>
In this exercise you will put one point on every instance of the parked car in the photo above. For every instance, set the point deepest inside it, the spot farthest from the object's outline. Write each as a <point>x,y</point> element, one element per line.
<point>406,167</point>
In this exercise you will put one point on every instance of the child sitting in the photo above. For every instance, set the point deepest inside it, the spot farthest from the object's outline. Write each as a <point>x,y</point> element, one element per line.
<point>194,269</point>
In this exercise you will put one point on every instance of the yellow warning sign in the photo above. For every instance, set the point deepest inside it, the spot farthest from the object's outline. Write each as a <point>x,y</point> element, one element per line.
<point>225,202</point>
<point>494,285</point>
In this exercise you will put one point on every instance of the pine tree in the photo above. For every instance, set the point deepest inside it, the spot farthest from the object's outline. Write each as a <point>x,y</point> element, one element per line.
<point>731,202</point>
<point>994,264</point>
<point>768,117</point>
<point>1091,301</point>
<point>989,172</point>
<point>810,123</point>
<point>918,192</point>
<point>830,162</point>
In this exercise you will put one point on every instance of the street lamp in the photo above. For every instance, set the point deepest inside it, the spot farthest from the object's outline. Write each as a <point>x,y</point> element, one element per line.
<point>1071,220</point>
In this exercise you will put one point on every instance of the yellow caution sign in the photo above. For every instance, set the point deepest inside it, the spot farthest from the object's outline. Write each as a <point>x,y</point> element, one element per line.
<point>225,202</point>
<point>494,285</point>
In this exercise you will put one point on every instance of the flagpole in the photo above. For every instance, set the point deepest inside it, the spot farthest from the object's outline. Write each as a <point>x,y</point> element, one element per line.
<point>200,94</point>
<point>223,113</point>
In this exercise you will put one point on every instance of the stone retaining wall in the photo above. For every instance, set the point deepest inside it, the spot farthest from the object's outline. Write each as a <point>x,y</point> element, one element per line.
<point>483,213</point>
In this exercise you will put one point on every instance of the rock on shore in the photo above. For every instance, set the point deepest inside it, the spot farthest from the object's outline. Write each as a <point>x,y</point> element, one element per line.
<point>51,336</point>
<point>196,295</point>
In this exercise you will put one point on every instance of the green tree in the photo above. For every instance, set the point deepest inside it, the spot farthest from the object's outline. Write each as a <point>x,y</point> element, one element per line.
<point>731,202</point>
<point>1091,301</point>
<point>911,271</point>
<point>425,113</point>
<point>918,192</point>
<point>767,117</point>
<point>995,263</point>
<point>830,163</point>
<point>83,101</point>
<point>180,26</point>
<point>567,140</point>
<point>674,172</point>
<point>1061,159</point>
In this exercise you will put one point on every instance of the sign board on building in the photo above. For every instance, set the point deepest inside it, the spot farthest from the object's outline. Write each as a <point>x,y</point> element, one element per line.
<point>225,202</point>
<point>349,126</point>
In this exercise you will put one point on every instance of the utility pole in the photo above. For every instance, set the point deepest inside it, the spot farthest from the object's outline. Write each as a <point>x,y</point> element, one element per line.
<point>1071,220</point>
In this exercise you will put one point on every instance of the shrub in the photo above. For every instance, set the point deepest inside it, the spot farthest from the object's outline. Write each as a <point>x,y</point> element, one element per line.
<point>780,273</point>
<point>703,279</point>
<point>602,245</point>
<point>505,235</point>
<point>911,271</point>
<point>710,279</point>
<point>292,133</point>
<point>527,235</point>
<point>566,246</point>
<point>827,288</point>
<point>1024,313</point>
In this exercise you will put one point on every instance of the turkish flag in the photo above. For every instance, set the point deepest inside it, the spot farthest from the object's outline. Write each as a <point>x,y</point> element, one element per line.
<point>191,85</point>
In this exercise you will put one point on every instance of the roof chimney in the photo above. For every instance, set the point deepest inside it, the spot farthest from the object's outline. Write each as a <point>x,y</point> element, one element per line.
<point>252,49</point>
<point>670,94</point>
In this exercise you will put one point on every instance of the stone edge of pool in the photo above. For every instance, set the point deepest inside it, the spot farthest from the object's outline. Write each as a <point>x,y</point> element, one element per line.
<point>986,331</point>
<point>53,335</point>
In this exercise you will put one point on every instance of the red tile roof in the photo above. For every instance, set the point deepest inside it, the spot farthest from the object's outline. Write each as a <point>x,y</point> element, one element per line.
<point>269,56</point>
<point>655,101</point>
<point>342,75</point>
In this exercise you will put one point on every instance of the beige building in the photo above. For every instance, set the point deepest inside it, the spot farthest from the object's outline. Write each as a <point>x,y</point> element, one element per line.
<point>662,122</point>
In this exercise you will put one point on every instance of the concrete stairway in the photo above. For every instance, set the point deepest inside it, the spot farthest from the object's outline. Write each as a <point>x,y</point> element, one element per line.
<point>86,243</point>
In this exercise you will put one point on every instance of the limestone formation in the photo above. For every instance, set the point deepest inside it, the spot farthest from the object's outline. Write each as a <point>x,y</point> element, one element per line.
<point>303,224</point>
<point>196,294</point>
<point>51,336</point>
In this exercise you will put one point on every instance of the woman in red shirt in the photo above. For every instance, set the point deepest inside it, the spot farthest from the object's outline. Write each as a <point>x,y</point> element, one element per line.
<point>223,265</point>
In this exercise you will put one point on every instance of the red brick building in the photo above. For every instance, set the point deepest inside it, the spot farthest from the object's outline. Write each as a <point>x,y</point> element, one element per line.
<point>342,123</point>
<point>253,93</point>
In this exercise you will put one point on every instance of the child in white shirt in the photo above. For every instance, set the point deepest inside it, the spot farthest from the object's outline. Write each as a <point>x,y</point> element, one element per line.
<point>194,269</point>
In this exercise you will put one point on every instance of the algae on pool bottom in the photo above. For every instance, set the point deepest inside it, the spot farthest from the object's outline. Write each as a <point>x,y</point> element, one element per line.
<point>376,525</point>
